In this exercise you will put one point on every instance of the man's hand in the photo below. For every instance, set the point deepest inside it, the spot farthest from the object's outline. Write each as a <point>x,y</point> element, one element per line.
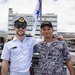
<point>60,37</point>
<point>9,39</point>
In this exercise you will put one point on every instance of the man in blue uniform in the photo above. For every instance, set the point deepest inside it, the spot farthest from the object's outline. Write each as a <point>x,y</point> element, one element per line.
<point>19,51</point>
<point>52,53</point>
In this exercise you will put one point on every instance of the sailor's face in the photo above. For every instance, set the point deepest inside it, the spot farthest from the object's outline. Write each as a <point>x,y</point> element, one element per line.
<point>20,30</point>
<point>47,31</point>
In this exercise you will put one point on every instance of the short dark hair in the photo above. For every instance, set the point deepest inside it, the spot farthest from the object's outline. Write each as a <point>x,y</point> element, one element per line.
<point>46,23</point>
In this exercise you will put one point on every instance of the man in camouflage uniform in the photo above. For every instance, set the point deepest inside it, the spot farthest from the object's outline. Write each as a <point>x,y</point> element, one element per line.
<point>52,53</point>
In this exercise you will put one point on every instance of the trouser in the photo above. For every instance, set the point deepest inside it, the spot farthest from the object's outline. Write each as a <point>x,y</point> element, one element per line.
<point>18,73</point>
<point>31,72</point>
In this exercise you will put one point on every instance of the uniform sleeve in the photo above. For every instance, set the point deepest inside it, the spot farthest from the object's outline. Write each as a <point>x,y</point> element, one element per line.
<point>36,49</point>
<point>5,52</point>
<point>37,41</point>
<point>65,51</point>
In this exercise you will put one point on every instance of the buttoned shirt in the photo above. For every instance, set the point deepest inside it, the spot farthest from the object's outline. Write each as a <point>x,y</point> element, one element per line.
<point>19,53</point>
<point>52,57</point>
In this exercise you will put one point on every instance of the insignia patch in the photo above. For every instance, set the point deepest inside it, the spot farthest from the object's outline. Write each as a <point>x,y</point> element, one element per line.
<point>21,19</point>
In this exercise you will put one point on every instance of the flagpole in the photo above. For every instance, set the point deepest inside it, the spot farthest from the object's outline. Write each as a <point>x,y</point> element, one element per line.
<point>40,17</point>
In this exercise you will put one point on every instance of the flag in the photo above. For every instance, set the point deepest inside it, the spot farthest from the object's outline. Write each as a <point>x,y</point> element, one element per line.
<point>35,15</point>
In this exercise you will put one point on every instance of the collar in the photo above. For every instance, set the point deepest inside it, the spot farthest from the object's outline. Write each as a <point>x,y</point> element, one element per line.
<point>15,38</point>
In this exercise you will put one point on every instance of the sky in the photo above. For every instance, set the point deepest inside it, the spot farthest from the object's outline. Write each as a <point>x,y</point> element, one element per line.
<point>65,9</point>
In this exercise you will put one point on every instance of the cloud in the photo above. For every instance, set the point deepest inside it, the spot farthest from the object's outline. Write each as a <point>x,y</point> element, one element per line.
<point>65,9</point>
<point>3,1</point>
<point>23,6</point>
<point>3,16</point>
